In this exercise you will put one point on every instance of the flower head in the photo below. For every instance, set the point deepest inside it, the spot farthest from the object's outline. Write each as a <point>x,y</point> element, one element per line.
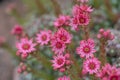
<point>61,62</point>
<point>64,78</point>
<point>105,34</point>
<point>25,46</point>
<point>86,48</point>
<point>61,21</point>
<point>57,46</point>
<point>91,65</point>
<point>17,30</point>
<point>109,72</point>
<point>79,20</point>
<point>58,62</point>
<point>63,36</point>
<point>43,37</point>
<point>86,8</point>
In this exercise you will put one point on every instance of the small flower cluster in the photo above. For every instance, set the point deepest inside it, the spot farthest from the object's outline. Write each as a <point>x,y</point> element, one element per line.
<point>105,34</point>
<point>59,40</point>
<point>61,62</point>
<point>109,72</point>
<point>64,78</point>
<point>86,50</point>
<point>81,15</point>
<point>22,67</point>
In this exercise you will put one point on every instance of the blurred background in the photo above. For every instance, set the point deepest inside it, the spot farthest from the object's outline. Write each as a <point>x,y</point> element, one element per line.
<point>35,14</point>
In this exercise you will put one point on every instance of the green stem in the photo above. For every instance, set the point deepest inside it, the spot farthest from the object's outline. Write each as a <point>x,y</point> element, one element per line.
<point>42,59</point>
<point>38,73</point>
<point>76,66</point>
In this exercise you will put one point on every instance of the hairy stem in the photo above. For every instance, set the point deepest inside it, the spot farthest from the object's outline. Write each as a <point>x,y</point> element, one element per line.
<point>42,59</point>
<point>102,52</point>
<point>38,73</point>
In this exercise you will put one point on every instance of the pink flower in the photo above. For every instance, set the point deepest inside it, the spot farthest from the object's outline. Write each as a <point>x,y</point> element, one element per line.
<point>109,72</point>
<point>64,78</point>
<point>19,70</point>
<point>58,62</point>
<point>91,65</point>
<point>76,10</point>
<point>43,37</point>
<point>17,30</point>
<point>63,36</point>
<point>61,21</point>
<point>25,46</point>
<point>61,62</point>
<point>81,9</point>
<point>105,34</point>
<point>83,19</point>
<point>80,20</point>
<point>86,48</point>
<point>58,46</point>
<point>74,23</point>
<point>86,8</point>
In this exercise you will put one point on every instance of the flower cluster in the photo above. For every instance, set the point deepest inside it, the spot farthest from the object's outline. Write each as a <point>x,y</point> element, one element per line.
<point>81,15</point>
<point>22,67</point>
<point>60,43</point>
<point>59,40</point>
<point>105,34</point>
<point>109,72</point>
<point>61,62</point>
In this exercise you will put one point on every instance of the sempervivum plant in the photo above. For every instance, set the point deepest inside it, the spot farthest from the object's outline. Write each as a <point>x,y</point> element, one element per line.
<point>55,54</point>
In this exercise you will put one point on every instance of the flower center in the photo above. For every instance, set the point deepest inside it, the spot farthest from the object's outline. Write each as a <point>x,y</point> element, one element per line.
<point>26,46</point>
<point>44,37</point>
<point>59,45</point>
<point>86,49</point>
<point>60,61</point>
<point>63,38</point>
<point>92,65</point>
<point>114,77</point>
<point>18,30</point>
<point>82,20</point>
